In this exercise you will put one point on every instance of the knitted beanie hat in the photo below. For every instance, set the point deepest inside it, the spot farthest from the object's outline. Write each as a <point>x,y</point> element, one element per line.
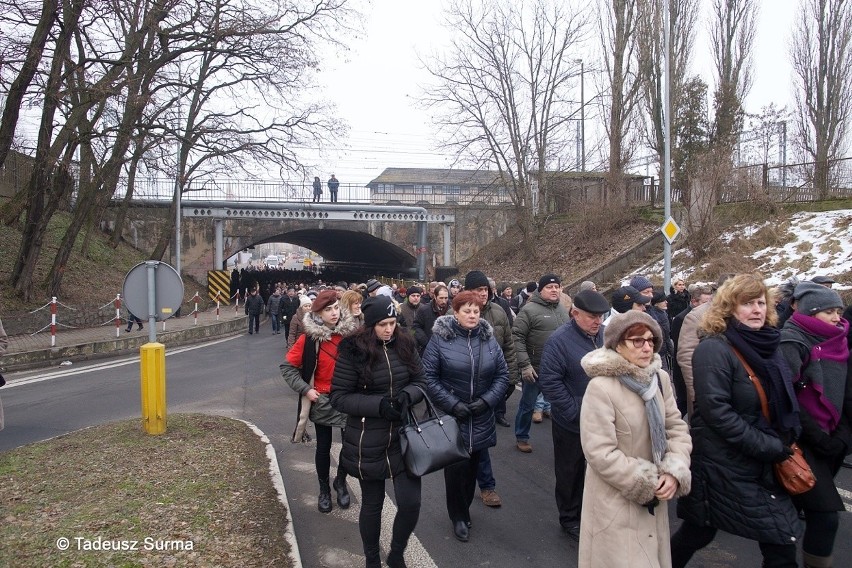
<point>812,298</point>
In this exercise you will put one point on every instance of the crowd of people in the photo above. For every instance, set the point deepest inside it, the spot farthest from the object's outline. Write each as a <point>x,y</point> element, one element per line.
<point>651,396</point>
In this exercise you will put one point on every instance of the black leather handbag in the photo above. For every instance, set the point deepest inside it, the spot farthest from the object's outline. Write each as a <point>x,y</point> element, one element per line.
<point>431,443</point>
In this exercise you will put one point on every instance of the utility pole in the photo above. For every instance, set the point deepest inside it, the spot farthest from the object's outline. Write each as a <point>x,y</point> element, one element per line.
<point>667,127</point>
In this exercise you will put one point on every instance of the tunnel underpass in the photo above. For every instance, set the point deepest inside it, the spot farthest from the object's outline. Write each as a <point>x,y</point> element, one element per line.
<point>351,250</point>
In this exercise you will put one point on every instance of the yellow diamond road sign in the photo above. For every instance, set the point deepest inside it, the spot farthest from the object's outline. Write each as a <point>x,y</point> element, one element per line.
<point>670,230</point>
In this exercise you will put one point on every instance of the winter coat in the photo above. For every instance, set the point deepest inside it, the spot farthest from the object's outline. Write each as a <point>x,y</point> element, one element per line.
<point>424,319</point>
<point>254,305</point>
<point>533,325</point>
<point>796,345</point>
<point>462,365</point>
<point>371,449</point>
<point>561,377</point>
<point>662,319</point>
<point>733,449</point>
<point>407,310</point>
<point>288,307</point>
<point>616,530</point>
<point>296,327</point>
<point>273,306</point>
<point>677,302</point>
<point>310,364</point>
<point>502,330</point>
<point>687,342</point>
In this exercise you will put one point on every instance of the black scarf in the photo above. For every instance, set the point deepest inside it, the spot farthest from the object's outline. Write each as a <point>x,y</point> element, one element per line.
<point>760,349</point>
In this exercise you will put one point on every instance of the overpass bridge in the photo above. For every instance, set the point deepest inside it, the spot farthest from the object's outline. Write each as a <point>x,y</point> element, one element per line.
<point>374,238</point>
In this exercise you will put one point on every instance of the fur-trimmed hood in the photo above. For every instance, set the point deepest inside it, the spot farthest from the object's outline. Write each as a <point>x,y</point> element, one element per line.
<point>318,331</point>
<point>604,362</point>
<point>446,327</point>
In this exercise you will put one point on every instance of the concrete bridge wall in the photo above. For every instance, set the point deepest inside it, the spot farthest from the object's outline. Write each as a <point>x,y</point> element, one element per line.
<point>384,247</point>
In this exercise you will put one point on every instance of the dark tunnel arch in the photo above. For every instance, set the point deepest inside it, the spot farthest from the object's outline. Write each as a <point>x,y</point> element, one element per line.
<point>353,249</point>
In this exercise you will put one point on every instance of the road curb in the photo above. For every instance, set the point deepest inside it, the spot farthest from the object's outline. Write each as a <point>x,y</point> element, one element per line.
<point>278,483</point>
<point>90,350</point>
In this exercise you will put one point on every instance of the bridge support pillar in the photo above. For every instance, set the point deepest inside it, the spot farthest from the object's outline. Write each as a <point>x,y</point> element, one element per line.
<point>446,227</point>
<point>218,229</point>
<point>422,249</point>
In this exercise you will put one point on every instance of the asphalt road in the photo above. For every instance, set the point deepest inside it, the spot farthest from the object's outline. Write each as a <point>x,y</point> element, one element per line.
<point>236,377</point>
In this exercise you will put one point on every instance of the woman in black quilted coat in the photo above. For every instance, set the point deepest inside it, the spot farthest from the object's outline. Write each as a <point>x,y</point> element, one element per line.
<point>733,445</point>
<point>468,377</point>
<point>377,376</point>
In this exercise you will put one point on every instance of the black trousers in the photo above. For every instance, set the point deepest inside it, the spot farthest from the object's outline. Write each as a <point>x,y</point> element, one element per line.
<point>407,492</point>
<point>570,468</point>
<point>460,486</point>
<point>322,457</point>
<point>691,538</point>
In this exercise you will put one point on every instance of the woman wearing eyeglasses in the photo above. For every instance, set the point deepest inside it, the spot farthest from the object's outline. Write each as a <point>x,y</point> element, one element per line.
<point>637,447</point>
<point>734,446</point>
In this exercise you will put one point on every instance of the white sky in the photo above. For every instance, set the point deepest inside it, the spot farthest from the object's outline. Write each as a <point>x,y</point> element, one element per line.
<point>375,87</point>
<point>375,90</point>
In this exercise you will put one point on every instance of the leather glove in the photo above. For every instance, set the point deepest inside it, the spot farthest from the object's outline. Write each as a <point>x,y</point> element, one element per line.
<point>786,453</point>
<point>833,447</point>
<point>529,375</point>
<point>478,407</point>
<point>388,411</point>
<point>403,401</point>
<point>461,411</point>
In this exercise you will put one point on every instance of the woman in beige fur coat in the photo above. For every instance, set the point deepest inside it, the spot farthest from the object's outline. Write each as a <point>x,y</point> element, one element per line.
<point>637,447</point>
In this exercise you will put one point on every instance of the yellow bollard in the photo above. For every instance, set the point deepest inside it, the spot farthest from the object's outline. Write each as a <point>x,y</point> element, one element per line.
<point>153,375</point>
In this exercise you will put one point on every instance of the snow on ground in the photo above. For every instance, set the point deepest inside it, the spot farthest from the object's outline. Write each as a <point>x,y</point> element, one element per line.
<point>820,241</point>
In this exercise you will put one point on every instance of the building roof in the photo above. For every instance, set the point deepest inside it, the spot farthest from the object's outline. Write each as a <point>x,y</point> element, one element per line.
<point>437,176</point>
<point>468,177</point>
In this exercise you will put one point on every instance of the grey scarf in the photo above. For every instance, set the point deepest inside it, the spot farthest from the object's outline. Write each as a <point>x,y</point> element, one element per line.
<point>648,392</point>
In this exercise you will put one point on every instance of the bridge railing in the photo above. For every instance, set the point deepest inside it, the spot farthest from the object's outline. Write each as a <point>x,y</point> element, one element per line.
<point>243,190</point>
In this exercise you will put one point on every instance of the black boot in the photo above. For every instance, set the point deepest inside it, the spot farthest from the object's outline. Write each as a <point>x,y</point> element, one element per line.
<point>372,557</point>
<point>324,501</point>
<point>396,556</point>
<point>342,491</point>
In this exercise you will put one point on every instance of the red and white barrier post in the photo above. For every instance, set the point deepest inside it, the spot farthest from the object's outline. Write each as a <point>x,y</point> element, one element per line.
<point>218,304</point>
<point>236,302</point>
<point>195,311</point>
<point>118,315</point>
<point>53,321</point>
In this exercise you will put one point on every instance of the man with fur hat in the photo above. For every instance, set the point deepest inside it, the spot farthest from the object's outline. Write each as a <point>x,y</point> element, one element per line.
<point>494,314</point>
<point>563,381</point>
<point>538,319</point>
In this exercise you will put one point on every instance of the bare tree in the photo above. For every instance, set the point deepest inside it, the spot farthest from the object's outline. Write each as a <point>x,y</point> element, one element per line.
<point>764,135</point>
<point>732,38</point>
<point>121,73</point>
<point>684,14</point>
<point>822,64</point>
<point>501,92</point>
<point>27,70</point>
<point>618,32</point>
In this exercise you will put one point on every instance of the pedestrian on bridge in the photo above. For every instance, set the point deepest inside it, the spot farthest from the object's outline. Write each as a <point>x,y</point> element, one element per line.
<point>377,376</point>
<point>317,189</point>
<point>333,186</point>
<point>308,369</point>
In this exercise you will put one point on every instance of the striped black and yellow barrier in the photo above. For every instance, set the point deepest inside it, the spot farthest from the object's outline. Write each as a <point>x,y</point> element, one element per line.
<point>219,281</point>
